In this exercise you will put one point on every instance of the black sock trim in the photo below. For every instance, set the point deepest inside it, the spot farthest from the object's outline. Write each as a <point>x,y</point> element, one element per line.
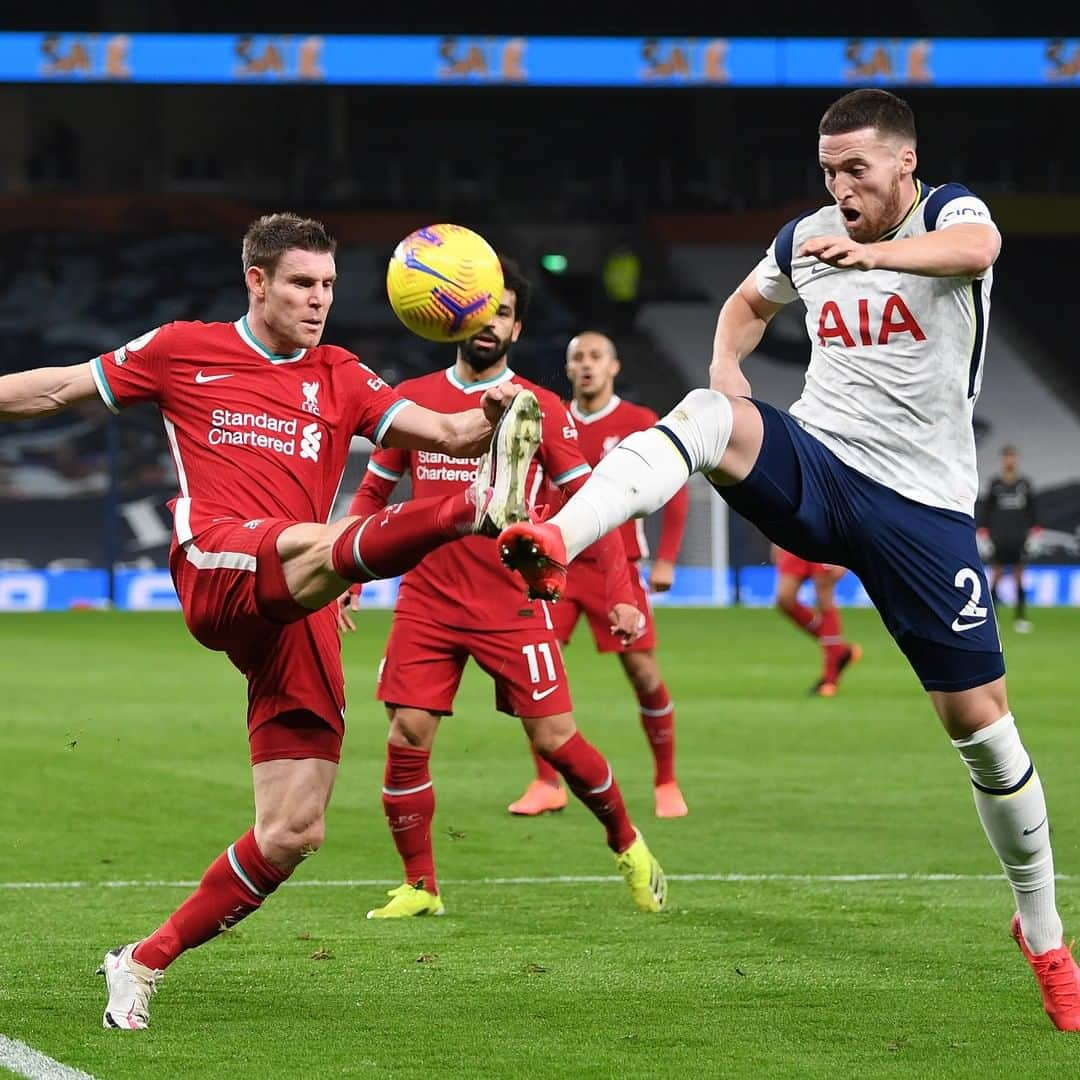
<point>678,446</point>
<point>1009,790</point>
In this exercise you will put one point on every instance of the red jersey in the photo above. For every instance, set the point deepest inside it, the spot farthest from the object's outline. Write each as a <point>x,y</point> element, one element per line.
<point>253,434</point>
<point>464,582</point>
<point>599,432</point>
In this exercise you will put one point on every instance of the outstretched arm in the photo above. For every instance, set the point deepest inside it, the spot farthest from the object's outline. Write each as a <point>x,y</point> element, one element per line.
<point>44,391</point>
<point>371,496</point>
<point>959,251</point>
<point>672,527</point>
<point>463,434</point>
<point>739,330</point>
<point>384,470</point>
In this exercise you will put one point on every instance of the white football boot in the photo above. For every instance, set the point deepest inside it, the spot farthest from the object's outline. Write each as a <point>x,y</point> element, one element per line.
<point>131,986</point>
<point>502,473</point>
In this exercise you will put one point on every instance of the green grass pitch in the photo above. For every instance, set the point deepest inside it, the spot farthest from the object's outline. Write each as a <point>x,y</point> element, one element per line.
<point>124,761</point>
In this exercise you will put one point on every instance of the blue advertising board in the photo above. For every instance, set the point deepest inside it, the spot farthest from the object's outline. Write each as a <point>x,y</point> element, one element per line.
<point>537,61</point>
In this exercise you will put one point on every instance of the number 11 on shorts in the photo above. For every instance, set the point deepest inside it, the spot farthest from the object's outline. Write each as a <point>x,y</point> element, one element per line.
<point>544,650</point>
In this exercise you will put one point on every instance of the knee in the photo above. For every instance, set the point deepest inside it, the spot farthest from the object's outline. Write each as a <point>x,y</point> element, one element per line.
<point>703,400</point>
<point>703,423</point>
<point>413,729</point>
<point>644,676</point>
<point>548,734</point>
<point>965,713</point>
<point>288,839</point>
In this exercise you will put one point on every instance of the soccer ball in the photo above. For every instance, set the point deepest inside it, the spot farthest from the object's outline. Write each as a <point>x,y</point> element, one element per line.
<point>444,282</point>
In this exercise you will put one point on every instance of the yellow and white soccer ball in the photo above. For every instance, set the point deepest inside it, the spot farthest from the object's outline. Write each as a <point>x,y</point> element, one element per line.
<point>444,282</point>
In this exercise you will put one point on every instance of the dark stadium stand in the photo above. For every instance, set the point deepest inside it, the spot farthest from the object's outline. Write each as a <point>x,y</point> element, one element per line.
<point>1027,284</point>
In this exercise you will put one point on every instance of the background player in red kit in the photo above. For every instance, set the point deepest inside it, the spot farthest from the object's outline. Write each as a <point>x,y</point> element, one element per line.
<point>463,603</point>
<point>821,622</point>
<point>259,417</point>
<point>603,420</point>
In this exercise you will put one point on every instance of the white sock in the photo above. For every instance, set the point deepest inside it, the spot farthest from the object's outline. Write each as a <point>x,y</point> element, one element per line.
<point>647,468</point>
<point>1012,809</point>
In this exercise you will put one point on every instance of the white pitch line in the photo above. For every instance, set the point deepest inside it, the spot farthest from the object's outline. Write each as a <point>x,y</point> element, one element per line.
<point>24,1060</point>
<point>565,879</point>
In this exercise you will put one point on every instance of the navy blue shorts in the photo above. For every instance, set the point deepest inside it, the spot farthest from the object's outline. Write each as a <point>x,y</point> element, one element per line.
<point>919,564</point>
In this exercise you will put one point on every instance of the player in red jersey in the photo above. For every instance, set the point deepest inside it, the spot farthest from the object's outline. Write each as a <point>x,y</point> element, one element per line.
<point>603,420</point>
<point>259,417</point>
<point>824,623</point>
<point>462,602</point>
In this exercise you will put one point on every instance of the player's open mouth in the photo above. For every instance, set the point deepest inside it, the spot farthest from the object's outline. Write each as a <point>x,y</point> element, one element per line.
<point>850,213</point>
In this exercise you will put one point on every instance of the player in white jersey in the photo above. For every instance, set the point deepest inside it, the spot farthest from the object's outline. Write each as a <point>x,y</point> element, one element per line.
<point>895,358</point>
<point>873,468</point>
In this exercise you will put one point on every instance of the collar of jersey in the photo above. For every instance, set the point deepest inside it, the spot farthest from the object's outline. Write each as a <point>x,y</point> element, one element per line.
<point>588,418</point>
<point>477,387</point>
<point>920,194</point>
<point>253,342</point>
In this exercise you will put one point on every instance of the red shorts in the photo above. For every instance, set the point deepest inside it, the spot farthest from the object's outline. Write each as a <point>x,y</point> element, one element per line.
<point>424,661</point>
<point>792,565</point>
<point>586,593</point>
<point>233,594</point>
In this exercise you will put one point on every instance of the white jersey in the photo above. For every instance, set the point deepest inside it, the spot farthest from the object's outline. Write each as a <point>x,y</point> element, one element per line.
<point>896,358</point>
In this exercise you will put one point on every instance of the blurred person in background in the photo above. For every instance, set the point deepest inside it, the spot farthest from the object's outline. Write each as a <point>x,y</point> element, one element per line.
<point>603,420</point>
<point>822,622</point>
<point>462,604</point>
<point>1009,520</point>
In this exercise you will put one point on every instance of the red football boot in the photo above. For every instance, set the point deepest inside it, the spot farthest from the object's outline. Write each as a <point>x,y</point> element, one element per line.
<point>535,549</point>
<point>1058,978</point>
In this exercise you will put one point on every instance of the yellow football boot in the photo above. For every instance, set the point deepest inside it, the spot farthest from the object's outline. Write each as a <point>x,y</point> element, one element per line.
<point>647,883</point>
<point>407,900</point>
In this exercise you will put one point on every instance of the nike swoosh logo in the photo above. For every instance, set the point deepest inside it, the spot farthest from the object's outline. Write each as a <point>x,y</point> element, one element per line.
<point>539,695</point>
<point>960,627</point>
<point>201,378</point>
<point>1028,832</point>
<point>820,268</point>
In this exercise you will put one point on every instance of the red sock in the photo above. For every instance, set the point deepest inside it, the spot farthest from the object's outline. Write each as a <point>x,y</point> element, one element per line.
<point>805,618</point>
<point>409,802</point>
<point>545,770</point>
<point>398,537</point>
<point>590,778</point>
<point>658,720</point>
<point>234,885</point>
<point>832,640</point>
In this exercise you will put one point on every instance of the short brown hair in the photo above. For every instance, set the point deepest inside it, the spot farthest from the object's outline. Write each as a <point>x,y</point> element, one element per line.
<point>876,109</point>
<point>517,283</point>
<point>273,234</point>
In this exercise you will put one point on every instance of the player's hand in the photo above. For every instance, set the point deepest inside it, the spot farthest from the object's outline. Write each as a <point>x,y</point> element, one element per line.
<point>348,601</point>
<point>627,623</point>
<point>495,399</point>
<point>841,251</point>
<point>984,544</point>
<point>661,575</point>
